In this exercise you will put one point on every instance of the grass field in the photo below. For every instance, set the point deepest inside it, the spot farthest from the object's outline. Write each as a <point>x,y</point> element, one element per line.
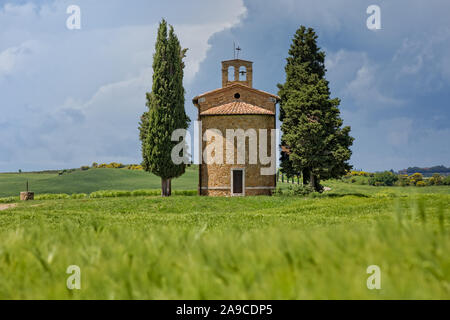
<point>190,247</point>
<point>11,184</point>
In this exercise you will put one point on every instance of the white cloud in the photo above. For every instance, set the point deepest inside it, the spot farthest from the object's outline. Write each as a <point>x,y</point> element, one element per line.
<point>364,90</point>
<point>424,60</point>
<point>85,90</point>
<point>14,10</point>
<point>13,56</point>
<point>356,77</point>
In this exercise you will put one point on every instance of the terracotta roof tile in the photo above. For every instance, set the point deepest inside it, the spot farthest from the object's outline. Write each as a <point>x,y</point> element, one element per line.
<point>236,107</point>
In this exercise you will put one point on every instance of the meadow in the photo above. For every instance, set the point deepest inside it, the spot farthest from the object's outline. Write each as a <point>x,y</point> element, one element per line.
<point>190,247</point>
<point>11,184</point>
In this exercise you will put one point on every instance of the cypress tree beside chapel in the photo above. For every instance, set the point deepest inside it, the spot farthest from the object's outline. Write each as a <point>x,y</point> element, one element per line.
<point>315,143</point>
<point>165,109</point>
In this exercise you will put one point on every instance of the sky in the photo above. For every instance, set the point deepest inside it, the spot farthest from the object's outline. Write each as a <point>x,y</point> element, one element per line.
<point>73,97</point>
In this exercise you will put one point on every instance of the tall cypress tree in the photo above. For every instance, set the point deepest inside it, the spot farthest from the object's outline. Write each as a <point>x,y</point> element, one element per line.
<point>316,143</point>
<point>165,109</point>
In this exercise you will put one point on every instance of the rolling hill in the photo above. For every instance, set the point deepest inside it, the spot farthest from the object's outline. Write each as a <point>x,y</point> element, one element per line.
<point>11,184</point>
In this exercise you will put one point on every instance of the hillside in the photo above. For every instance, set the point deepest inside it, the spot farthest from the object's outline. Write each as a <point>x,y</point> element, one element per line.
<point>89,181</point>
<point>128,180</point>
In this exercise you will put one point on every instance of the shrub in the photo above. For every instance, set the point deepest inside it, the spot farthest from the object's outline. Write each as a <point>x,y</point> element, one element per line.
<point>134,167</point>
<point>52,196</point>
<point>294,190</point>
<point>9,200</point>
<point>112,165</point>
<point>299,190</point>
<point>62,172</point>
<point>421,184</point>
<point>122,194</point>
<point>78,196</point>
<point>359,173</point>
<point>402,180</point>
<point>116,165</point>
<point>446,181</point>
<point>142,193</point>
<point>414,178</point>
<point>436,179</point>
<point>84,168</point>
<point>277,191</point>
<point>385,178</point>
<point>110,194</point>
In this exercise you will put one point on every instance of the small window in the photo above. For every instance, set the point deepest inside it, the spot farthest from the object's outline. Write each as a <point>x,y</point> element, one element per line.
<point>237,95</point>
<point>231,73</point>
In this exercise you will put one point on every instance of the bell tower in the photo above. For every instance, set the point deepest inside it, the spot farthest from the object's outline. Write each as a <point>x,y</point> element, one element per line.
<point>237,71</point>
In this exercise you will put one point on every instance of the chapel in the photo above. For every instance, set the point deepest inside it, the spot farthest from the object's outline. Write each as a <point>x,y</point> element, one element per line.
<point>237,105</point>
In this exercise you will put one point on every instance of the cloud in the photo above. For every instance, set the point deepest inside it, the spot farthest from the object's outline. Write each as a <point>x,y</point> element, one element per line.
<point>427,56</point>
<point>365,91</point>
<point>74,97</point>
<point>12,57</point>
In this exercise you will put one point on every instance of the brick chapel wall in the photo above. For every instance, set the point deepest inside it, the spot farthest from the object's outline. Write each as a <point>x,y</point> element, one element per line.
<point>219,176</point>
<point>224,193</point>
<point>227,95</point>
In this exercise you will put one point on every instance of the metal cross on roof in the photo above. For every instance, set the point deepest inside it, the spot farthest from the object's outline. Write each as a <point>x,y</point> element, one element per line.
<point>236,51</point>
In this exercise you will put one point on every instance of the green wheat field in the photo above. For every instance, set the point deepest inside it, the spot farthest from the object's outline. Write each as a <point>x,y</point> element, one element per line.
<point>137,245</point>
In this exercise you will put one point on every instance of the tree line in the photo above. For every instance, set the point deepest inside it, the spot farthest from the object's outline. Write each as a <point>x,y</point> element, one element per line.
<point>430,170</point>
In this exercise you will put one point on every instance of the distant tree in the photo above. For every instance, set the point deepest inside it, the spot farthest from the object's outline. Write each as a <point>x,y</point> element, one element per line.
<point>403,180</point>
<point>446,181</point>
<point>316,144</point>
<point>287,166</point>
<point>436,179</point>
<point>435,169</point>
<point>165,109</point>
<point>414,178</point>
<point>385,178</point>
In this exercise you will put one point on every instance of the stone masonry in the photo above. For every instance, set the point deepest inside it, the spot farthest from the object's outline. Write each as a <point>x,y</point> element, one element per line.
<point>236,106</point>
